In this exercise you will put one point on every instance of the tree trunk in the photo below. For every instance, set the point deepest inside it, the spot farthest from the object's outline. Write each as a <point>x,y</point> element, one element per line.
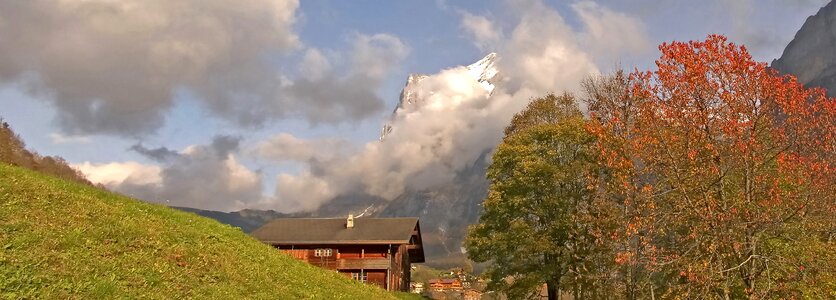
<point>552,287</point>
<point>575,292</point>
<point>652,293</point>
<point>631,284</point>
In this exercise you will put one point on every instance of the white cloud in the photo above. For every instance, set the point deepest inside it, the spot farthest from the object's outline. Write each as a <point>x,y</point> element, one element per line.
<point>314,189</point>
<point>241,179</point>
<point>115,67</point>
<point>330,97</point>
<point>544,52</point>
<point>376,55</point>
<point>203,176</point>
<point>286,147</point>
<point>208,177</point>
<point>611,34</point>
<point>314,65</point>
<point>455,120</point>
<point>115,173</point>
<point>484,33</point>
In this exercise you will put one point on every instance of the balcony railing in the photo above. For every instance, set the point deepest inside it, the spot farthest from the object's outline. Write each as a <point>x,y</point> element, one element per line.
<point>351,263</point>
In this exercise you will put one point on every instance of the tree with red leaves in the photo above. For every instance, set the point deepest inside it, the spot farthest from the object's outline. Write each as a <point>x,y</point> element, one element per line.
<point>724,171</point>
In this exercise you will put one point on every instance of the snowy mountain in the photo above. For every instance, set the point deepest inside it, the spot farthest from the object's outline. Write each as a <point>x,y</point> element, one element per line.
<point>445,210</point>
<point>483,71</point>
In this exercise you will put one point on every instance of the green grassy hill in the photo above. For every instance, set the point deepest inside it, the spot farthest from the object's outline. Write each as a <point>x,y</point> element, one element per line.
<point>65,240</point>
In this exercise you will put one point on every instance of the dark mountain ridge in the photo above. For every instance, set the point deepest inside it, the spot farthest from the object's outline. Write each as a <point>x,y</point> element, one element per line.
<point>811,55</point>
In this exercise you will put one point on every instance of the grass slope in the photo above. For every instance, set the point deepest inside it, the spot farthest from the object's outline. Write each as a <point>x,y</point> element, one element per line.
<point>64,240</point>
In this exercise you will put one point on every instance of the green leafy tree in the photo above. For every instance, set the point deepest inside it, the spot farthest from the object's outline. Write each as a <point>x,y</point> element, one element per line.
<point>541,177</point>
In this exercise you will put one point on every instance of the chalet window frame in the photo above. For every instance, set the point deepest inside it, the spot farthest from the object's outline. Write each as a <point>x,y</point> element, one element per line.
<point>323,252</point>
<point>361,276</point>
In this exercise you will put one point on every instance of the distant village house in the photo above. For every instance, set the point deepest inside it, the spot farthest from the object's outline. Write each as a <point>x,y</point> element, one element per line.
<point>472,294</point>
<point>441,285</point>
<point>416,287</point>
<point>374,250</point>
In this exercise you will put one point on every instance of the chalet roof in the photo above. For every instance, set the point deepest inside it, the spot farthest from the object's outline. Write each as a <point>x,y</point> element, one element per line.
<point>297,231</point>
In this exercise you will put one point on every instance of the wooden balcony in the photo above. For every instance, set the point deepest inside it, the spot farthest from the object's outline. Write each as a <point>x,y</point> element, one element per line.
<point>352,263</point>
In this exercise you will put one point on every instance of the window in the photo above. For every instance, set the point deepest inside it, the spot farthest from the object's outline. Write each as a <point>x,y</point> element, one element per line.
<point>360,276</point>
<point>326,252</point>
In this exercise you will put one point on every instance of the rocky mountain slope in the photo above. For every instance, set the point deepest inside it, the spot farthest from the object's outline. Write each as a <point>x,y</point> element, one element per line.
<point>445,213</point>
<point>810,56</point>
<point>446,210</point>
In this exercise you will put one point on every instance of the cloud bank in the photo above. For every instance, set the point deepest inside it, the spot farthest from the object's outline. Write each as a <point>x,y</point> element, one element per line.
<point>206,176</point>
<point>482,30</point>
<point>454,123</point>
<point>116,67</point>
<point>456,119</point>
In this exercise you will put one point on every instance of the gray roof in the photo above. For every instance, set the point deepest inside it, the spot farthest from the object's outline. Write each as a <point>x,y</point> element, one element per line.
<point>297,231</point>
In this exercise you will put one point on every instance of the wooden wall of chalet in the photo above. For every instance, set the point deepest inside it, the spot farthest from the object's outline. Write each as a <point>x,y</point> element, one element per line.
<point>377,277</point>
<point>372,259</point>
<point>400,278</point>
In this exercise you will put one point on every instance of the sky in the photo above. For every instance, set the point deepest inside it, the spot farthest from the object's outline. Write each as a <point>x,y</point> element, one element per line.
<point>279,104</point>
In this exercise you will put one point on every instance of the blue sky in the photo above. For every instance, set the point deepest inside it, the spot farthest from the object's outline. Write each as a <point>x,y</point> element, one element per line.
<point>68,71</point>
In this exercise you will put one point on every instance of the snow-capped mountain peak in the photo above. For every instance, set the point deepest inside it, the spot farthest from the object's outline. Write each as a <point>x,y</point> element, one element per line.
<point>483,71</point>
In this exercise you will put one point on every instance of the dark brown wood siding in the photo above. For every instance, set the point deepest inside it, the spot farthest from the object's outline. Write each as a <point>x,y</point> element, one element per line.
<point>377,277</point>
<point>387,266</point>
<point>399,273</point>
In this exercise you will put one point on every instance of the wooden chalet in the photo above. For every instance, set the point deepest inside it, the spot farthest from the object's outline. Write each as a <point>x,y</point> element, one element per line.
<point>374,250</point>
<point>440,285</point>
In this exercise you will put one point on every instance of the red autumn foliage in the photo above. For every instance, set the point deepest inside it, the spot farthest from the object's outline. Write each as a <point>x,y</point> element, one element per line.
<point>724,171</point>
